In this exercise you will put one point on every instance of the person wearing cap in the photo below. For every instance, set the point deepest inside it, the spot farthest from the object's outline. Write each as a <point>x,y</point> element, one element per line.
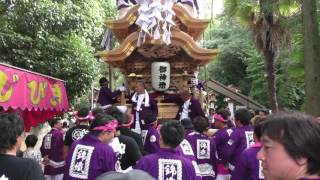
<point>167,163</point>
<point>52,151</point>
<point>125,147</point>
<point>91,156</point>
<point>221,138</point>
<point>248,166</point>
<point>241,137</point>
<point>106,96</point>
<point>141,103</point>
<point>149,133</point>
<point>83,118</point>
<point>204,148</point>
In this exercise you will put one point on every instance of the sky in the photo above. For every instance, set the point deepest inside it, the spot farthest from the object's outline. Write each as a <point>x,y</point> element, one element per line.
<point>207,5</point>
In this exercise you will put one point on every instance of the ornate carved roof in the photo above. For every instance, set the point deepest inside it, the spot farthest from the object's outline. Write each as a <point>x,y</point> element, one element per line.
<point>156,49</point>
<point>121,28</point>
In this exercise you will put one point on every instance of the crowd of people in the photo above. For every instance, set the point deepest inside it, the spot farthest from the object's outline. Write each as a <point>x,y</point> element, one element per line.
<point>108,143</point>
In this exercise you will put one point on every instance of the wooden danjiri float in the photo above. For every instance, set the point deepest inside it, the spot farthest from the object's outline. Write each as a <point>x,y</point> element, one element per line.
<point>158,45</point>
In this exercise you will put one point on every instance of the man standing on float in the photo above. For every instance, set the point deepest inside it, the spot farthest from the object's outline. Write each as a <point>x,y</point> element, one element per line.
<point>141,101</point>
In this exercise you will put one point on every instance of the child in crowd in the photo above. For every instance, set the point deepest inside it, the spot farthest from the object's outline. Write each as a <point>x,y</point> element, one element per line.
<point>31,141</point>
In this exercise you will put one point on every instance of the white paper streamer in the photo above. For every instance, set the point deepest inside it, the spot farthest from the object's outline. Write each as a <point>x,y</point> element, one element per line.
<point>151,17</point>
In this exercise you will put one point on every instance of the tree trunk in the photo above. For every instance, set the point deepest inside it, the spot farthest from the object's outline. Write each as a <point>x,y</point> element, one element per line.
<point>311,57</point>
<point>271,80</point>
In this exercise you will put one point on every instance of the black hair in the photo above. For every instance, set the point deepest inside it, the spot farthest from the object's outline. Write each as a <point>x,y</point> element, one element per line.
<point>224,114</point>
<point>54,121</point>
<point>96,111</point>
<point>11,126</point>
<point>244,116</point>
<point>148,117</point>
<point>83,111</point>
<point>187,123</point>
<point>103,81</point>
<point>31,140</point>
<point>99,120</point>
<point>298,133</point>
<point>200,124</point>
<point>117,114</point>
<point>65,125</point>
<point>172,133</point>
<point>257,125</point>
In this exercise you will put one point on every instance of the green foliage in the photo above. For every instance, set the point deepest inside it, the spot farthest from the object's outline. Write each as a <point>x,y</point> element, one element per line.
<point>240,64</point>
<point>57,38</point>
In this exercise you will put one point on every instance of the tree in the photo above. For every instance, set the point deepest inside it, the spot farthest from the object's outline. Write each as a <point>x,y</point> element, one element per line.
<point>263,18</point>
<point>240,64</point>
<point>57,38</point>
<point>311,56</point>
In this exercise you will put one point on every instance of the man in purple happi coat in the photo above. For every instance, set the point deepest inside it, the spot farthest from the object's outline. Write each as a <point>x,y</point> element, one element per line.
<point>188,126</point>
<point>141,103</point>
<point>52,151</point>
<point>106,96</point>
<point>149,133</point>
<point>241,137</point>
<point>204,148</point>
<point>185,148</point>
<point>221,138</point>
<point>189,107</point>
<point>91,156</point>
<point>248,166</point>
<point>167,163</point>
<point>83,118</point>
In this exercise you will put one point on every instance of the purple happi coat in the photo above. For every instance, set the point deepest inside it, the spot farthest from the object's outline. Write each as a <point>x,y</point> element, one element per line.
<point>241,139</point>
<point>221,138</point>
<point>150,138</point>
<point>248,166</point>
<point>205,152</point>
<point>185,149</point>
<point>194,107</point>
<point>88,158</point>
<point>52,146</point>
<point>168,164</point>
<point>152,106</point>
<point>106,96</point>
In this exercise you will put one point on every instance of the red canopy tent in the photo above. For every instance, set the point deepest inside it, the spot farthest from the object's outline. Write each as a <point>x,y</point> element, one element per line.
<point>35,96</point>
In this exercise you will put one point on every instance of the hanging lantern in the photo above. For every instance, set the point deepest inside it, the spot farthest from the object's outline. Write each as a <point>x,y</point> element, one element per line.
<point>160,73</point>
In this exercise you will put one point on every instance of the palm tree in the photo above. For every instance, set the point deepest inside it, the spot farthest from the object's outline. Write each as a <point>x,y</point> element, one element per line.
<point>263,18</point>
